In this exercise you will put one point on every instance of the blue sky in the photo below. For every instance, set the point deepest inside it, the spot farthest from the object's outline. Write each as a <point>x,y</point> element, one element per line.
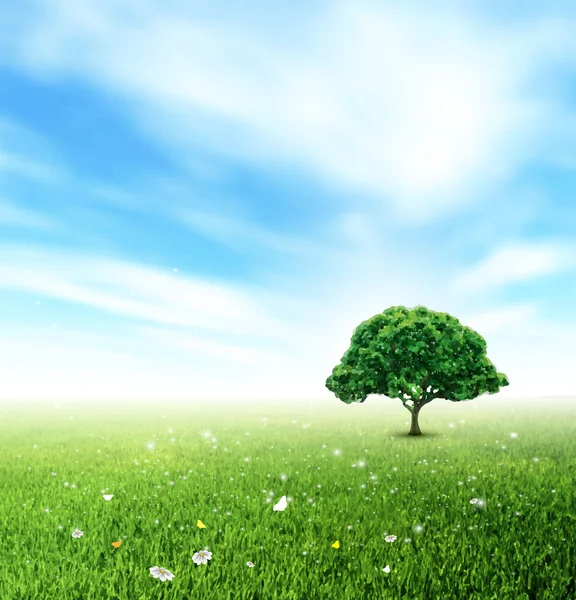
<point>200,201</point>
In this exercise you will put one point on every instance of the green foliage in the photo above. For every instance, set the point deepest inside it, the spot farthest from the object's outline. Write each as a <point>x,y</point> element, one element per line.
<point>415,355</point>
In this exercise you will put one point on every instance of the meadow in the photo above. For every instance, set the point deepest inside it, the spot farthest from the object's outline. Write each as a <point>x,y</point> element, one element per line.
<point>480,507</point>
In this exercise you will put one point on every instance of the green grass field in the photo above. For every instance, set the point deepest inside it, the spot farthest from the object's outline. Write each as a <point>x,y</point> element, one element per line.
<point>351,474</point>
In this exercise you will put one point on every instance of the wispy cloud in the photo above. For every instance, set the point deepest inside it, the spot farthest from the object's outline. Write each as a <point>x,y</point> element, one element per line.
<point>191,345</point>
<point>15,216</point>
<point>346,106</point>
<point>112,196</point>
<point>514,263</point>
<point>134,291</point>
<point>25,153</point>
<point>502,318</point>
<point>13,163</point>
<point>241,234</point>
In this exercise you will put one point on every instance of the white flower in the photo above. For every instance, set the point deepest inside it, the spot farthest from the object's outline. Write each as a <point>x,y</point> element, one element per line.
<point>108,497</point>
<point>474,501</point>
<point>163,574</point>
<point>202,557</point>
<point>390,538</point>
<point>250,564</point>
<point>386,569</point>
<point>282,504</point>
<point>77,533</point>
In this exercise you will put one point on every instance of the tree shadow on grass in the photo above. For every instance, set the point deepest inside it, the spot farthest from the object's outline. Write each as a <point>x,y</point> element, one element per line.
<point>404,434</point>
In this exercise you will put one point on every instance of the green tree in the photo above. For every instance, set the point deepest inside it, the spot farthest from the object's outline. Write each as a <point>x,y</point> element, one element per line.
<point>415,355</point>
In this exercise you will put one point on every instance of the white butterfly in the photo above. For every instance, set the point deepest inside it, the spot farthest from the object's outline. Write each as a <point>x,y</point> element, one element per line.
<point>386,569</point>
<point>108,497</point>
<point>282,504</point>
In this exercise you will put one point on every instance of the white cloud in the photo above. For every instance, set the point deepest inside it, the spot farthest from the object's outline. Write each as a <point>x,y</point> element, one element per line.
<point>201,346</point>
<point>413,107</point>
<point>133,290</point>
<point>142,362</point>
<point>224,345</point>
<point>537,358</point>
<point>514,263</point>
<point>501,319</point>
<point>242,235</point>
<point>13,215</point>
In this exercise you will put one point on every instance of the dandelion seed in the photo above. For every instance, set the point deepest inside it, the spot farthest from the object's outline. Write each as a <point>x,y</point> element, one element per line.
<point>162,574</point>
<point>390,538</point>
<point>513,435</point>
<point>202,557</point>
<point>77,533</point>
<point>250,564</point>
<point>53,474</point>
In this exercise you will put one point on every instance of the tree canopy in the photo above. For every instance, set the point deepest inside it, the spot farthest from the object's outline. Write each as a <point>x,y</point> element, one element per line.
<point>415,355</point>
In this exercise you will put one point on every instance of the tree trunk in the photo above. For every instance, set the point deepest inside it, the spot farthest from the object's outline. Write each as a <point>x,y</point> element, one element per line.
<point>414,427</point>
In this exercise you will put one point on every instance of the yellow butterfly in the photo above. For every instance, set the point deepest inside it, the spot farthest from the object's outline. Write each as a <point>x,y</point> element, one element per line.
<point>117,544</point>
<point>200,524</point>
<point>336,544</point>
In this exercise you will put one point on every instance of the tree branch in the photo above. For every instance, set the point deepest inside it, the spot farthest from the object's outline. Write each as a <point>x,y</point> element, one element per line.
<point>422,385</point>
